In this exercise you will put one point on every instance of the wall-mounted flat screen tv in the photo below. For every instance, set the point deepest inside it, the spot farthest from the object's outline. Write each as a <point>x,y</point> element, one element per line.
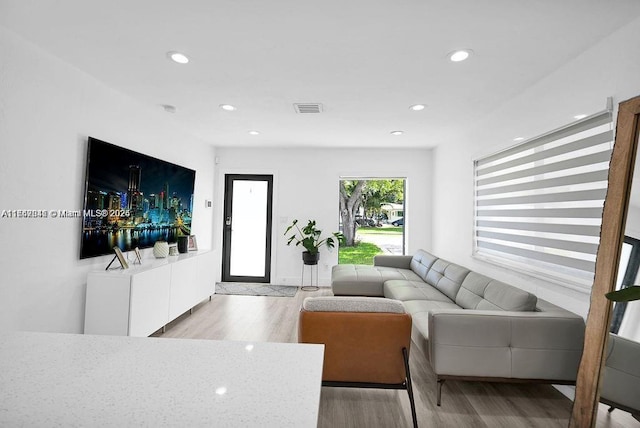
<point>132,200</point>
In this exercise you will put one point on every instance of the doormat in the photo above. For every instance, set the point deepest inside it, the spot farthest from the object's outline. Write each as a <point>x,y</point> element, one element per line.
<point>254,289</point>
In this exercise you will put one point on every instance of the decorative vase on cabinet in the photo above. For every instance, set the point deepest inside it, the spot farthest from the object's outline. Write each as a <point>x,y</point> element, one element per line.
<point>161,249</point>
<point>183,244</point>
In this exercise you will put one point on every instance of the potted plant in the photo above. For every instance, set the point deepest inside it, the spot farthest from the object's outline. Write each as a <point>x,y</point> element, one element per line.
<point>310,237</point>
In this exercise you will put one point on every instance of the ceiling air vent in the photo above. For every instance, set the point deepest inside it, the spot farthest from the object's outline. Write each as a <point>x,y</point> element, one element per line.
<point>308,107</point>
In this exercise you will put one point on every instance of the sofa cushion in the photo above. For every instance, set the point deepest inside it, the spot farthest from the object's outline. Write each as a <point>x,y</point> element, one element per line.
<point>363,280</point>
<point>446,277</point>
<point>480,292</point>
<point>422,262</point>
<point>419,310</point>
<point>412,290</point>
<point>417,306</point>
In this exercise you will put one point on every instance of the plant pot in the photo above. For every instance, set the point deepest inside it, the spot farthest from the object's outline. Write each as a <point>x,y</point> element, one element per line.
<point>183,244</point>
<point>310,259</point>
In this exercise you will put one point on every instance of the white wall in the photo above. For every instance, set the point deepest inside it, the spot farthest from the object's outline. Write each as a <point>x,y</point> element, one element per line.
<point>47,110</point>
<point>306,187</point>
<point>610,68</point>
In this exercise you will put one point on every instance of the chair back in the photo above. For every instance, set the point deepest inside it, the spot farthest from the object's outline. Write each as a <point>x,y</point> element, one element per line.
<point>363,342</point>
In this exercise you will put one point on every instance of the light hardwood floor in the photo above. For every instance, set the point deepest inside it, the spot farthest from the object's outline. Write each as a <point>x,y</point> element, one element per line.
<point>464,404</point>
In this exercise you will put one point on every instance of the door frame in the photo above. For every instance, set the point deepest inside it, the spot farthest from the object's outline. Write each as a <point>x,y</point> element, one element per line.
<point>226,230</point>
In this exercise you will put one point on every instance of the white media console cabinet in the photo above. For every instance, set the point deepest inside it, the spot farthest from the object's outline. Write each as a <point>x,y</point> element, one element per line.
<point>144,298</point>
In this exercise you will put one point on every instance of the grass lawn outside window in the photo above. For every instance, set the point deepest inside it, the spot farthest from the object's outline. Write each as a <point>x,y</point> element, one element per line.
<point>361,254</point>
<point>369,243</point>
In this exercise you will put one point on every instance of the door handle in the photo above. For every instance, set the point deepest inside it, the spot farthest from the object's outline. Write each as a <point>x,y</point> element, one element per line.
<point>228,221</point>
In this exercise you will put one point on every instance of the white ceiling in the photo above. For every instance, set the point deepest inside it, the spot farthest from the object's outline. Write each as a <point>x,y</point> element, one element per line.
<point>366,61</point>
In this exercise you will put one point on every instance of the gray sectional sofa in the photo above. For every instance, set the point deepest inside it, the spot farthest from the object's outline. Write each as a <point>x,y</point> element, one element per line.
<point>472,327</point>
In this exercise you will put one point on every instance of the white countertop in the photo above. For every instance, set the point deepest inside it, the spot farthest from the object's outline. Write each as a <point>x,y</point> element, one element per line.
<point>51,379</point>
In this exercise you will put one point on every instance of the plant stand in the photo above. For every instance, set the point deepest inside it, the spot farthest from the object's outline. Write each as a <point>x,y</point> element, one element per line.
<point>309,287</point>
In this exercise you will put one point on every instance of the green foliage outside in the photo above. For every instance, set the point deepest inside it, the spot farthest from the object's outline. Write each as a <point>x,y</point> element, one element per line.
<point>377,192</point>
<point>362,254</point>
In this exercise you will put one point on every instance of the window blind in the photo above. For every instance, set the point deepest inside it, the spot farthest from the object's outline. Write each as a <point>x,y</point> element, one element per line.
<point>538,205</point>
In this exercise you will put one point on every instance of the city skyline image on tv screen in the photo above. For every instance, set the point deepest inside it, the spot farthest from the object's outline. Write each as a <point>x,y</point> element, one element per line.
<point>133,200</point>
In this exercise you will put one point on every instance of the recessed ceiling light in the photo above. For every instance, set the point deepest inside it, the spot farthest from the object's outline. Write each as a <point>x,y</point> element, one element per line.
<point>417,107</point>
<point>518,139</point>
<point>178,57</point>
<point>579,116</point>
<point>169,108</point>
<point>460,55</point>
<point>221,390</point>
<point>254,132</point>
<point>397,132</point>
<point>227,107</point>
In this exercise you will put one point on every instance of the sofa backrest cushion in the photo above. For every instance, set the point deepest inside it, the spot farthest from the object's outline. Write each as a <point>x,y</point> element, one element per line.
<point>446,277</point>
<point>422,262</point>
<point>481,292</point>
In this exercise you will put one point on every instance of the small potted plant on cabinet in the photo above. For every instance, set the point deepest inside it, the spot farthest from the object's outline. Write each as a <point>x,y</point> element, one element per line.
<point>310,237</point>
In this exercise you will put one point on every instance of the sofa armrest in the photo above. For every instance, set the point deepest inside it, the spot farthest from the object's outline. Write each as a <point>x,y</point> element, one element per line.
<point>504,344</point>
<point>621,379</point>
<point>401,262</point>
